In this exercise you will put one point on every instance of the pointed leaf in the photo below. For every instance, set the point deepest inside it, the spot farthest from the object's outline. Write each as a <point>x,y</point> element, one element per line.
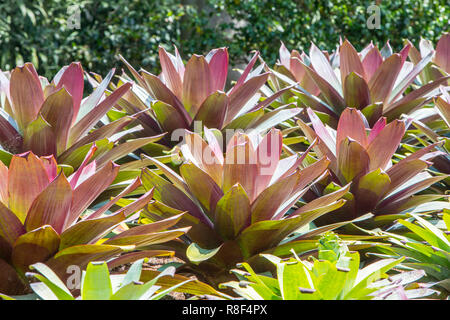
<point>213,110</point>
<point>35,246</point>
<point>26,94</point>
<point>27,179</point>
<point>58,111</point>
<point>51,206</point>
<point>197,84</point>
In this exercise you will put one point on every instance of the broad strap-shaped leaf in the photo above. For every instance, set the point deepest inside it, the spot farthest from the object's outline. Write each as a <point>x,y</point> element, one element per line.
<point>218,64</point>
<point>268,155</point>
<point>371,63</point>
<point>10,138</point>
<point>332,95</point>
<point>351,125</point>
<point>376,129</point>
<point>35,246</point>
<point>442,52</point>
<point>320,148</point>
<point>406,203</point>
<point>172,196</point>
<point>207,192</point>
<point>213,110</point>
<point>159,91</point>
<point>269,200</point>
<point>444,109</point>
<point>383,146</point>
<point>266,234</point>
<point>232,212</point>
<point>90,189</point>
<point>240,96</point>
<point>195,287</point>
<point>10,282</point>
<point>370,189</point>
<point>273,118</point>
<point>356,91</point>
<point>402,171</point>
<point>266,102</point>
<point>285,56</point>
<point>245,73</point>
<point>203,156</point>
<point>27,179</point>
<point>132,208</point>
<point>80,255</point>
<point>145,229</point>
<point>197,85</point>
<point>136,255</point>
<point>4,183</point>
<point>92,100</point>
<point>288,165</point>
<point>89,231</point>
<point>123,149</point>
<point>412,100</point>
<point>322,132</point>
<point>51,206</point>
<point>353,160</point>
<point>349,61</point>
<point>147,239</point>
<point>96,113</point>
<point>170,73</point>
<point>130,188</point>
<point>173,177</point>
<point>85,170</point>
<point>58,111</point>
<point>403,85</point>
<point>73,81</point>
<point>382,81</point>
<point>322,202</point>
<point>422,184</point>
<point>310,173</point>
<point>241,166</point>
<point>39,137</point>
<point>323,69</point>
<point>10,226</point>
<point>96,283</point>
<point>26,94</point>
<point>169,118</point>
<point>196,254</point>
<point>101,133</point>
<point>51,280</point>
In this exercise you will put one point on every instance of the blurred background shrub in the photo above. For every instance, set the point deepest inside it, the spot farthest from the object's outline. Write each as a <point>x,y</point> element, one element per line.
<point>37,30</point>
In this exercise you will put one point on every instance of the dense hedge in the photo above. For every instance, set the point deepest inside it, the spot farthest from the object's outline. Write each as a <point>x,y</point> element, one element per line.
<point>36,30</point>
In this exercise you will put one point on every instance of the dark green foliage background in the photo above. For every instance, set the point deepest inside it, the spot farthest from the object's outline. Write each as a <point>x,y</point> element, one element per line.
<point>36,30</point>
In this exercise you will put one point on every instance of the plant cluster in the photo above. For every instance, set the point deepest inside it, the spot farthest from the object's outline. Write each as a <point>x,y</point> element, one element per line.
<point>324,176</point>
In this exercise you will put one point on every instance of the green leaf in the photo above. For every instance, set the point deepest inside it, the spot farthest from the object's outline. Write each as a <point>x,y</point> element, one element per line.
<point>232,212</point>
<point>96,284</point>
<point>197,254</point>
<point>52,281</point>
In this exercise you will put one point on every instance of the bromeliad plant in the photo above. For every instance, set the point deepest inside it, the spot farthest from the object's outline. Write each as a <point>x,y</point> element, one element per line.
<point>376,82</point>
<point>54,119</point>
<point>185,94</point>
<point>98,284</point>
<point>363,156</point>
<point>335,275</point>
<point>44,217</point>
<point>239,204</point>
